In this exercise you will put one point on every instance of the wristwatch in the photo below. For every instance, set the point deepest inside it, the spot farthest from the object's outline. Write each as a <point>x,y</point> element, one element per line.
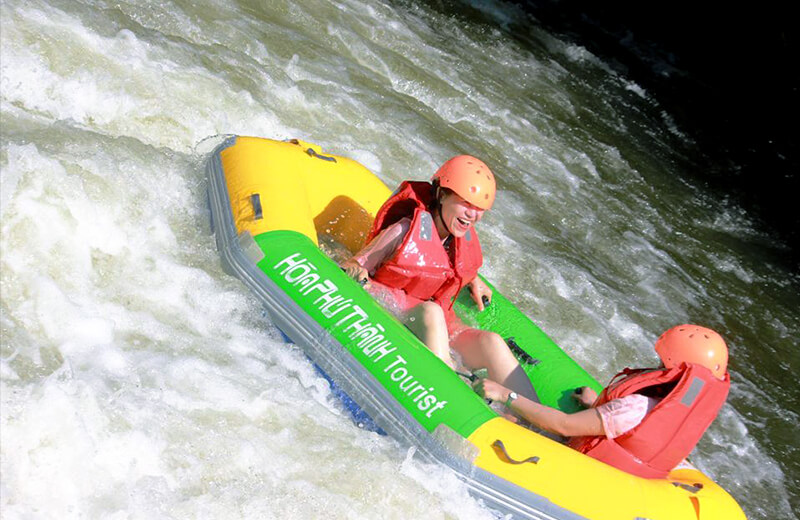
<point>512,396</point>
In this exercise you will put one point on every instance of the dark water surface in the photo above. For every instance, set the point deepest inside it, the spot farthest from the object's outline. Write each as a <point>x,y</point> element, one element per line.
<point>724,74</point>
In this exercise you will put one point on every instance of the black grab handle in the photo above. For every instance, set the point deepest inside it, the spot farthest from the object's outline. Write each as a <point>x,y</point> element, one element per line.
<point>255,200</point>
<point>501,451</point>
<point>313,153</point>
<point>524,356</point>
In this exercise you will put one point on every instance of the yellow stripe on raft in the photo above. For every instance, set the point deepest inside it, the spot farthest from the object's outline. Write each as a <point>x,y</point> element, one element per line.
<point>593,489</point>
<point>316,205</point>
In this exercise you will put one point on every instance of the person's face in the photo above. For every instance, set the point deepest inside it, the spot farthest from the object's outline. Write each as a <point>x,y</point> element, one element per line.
<point>458,215</point>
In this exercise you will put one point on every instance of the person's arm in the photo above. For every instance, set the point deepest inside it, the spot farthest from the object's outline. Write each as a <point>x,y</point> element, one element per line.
<point>364,263</point>
<point>585,422</point>
<point>478,290</point>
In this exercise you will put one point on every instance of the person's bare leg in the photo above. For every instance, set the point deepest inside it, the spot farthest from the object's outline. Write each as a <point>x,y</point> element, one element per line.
<point>427,322</point>
<point>484,349</point>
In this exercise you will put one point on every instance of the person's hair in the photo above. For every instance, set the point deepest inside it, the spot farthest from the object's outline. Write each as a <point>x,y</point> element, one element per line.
<point>437,189</point>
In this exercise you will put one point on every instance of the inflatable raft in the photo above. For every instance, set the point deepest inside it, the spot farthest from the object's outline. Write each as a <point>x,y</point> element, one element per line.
<point>281,210</point>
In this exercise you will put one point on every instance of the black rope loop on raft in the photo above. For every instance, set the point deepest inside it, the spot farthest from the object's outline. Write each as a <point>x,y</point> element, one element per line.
<point>500,449</point>
<point>313,153</point>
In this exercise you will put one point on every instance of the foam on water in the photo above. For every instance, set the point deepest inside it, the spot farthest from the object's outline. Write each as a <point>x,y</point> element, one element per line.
<point>148,383</point>
<point>137,379</point>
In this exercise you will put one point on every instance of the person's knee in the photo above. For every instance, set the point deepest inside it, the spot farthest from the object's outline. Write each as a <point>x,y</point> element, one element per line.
<point>491,341</point>
<point>495,347</point>
<point>432,314</point>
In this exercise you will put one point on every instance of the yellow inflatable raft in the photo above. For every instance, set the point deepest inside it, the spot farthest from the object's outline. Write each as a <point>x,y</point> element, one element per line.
<point>273,204</point>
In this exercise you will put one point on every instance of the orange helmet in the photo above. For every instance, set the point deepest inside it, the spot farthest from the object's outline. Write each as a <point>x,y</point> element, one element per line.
<point>693,344</point>
<point>469,178</point>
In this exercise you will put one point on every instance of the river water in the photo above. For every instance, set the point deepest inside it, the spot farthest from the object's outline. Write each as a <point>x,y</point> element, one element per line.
<point>138,380</point>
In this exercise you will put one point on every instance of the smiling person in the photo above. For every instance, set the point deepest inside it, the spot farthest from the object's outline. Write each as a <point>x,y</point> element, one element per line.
<point>647,420</point>
<point>422,250</point>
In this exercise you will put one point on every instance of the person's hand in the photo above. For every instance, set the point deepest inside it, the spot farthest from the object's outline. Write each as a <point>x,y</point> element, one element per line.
<point>585,396</point>
<point>356,272</point>
<point>489,389</point>
<point>480,292</point>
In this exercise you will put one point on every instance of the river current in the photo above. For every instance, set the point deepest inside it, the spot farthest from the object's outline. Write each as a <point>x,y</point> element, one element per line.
<point>138,380</point>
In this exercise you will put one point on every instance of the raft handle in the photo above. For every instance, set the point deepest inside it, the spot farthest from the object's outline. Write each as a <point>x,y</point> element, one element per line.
<point>310,150</point>
<point>516,349</point>
<point>313,153</point>
<point>255,200</point>
<point>500,448</point>
<point>692,489</point>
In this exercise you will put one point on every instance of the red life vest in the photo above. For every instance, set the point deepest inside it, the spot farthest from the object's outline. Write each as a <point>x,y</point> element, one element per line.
<point>421,266</point>
<point>671,430</point>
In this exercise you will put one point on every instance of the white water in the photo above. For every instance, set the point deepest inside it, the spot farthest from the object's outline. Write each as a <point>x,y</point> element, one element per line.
<point>138,380</point>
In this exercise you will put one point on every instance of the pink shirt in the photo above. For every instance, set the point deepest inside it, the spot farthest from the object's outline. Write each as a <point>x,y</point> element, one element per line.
<point>383,246</point>
<point>622,415</point>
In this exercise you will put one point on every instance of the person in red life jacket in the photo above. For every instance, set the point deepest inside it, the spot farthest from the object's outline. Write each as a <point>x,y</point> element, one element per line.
<point>422,250</point>
<point>646,421</point>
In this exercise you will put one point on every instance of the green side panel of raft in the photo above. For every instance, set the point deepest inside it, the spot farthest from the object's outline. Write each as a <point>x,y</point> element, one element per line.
<point>425,387</point>
<point>431,392</point>
<point>554,375</point>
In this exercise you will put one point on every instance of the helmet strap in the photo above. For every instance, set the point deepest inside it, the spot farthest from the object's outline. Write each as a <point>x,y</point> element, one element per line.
<point>437,215</point>
<point>436,208</point>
